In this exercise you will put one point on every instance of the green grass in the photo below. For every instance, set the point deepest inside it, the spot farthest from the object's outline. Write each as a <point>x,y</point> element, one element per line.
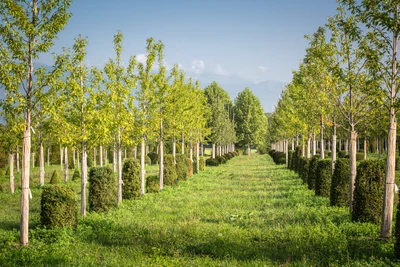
<point>249,212</point>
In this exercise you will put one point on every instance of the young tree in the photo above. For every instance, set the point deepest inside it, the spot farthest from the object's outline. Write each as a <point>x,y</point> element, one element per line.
<point>27,29</point>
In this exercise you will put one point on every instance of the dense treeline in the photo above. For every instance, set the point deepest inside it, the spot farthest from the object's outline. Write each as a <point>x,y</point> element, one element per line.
<point>346,93</point>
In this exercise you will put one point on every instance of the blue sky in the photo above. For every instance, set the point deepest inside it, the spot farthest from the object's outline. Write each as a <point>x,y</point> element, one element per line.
<point>238,40</point>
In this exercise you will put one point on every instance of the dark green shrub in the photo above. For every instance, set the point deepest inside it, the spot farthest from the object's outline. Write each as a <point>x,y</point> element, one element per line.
<point>131,178</point>
<point>76,176</point>
<point>342,154</point>
<point>305,163</point>
<point>232,154</point>
<point>312,172</point>
<point>58,207</point>
<point>147,160</point>
<point>189,164</point>
<point>102,193</point>
<point>323,178</point>
<point>212,162</point>
<point>55,178</point>
<point>359,156</point>
<point>368,192</point>
<point>153,158</point>
<point>7,171</point>
<point>397,166</point>
<point>170,176</point>
<point>181,167</point>
<point>290,159</point>
<point>227,156</point>
<point>280,158</point>
<point>202,164</point>
<point>295,159</point>
<point>153,184</point>
<point>221,159</point>
<point>89,160</point>
<point>340,189</point>
<point>194,165</point>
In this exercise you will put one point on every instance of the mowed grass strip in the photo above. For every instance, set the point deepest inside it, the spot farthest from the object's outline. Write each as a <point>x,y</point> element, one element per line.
<point>249,212</point>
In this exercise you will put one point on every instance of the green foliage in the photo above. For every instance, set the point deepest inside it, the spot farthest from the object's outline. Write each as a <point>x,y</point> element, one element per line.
<point>194,165</point>
<point>340,189</point>
<point>295,159</point>
<point>181,167</point>
<point>147,160</point>
<point>359,156</point>
<point>290,159</point>
<point>131,178</point>
<point>221,159</point>
<point>342,154</point>
<point>303,163</point>
<point>102,193</point>
<point>368,192</point>
<point>55,178</point>
<point>189,164</point>
<point>58,207</point>
<point>170,175</point>
<point>152,184</point>
<point>76,176</point>
<point>323,178</point>
<point>2,174</point>
<point>202,164</point>
<point>153,158</point>
<point>312,172</point>
<point>212,162</point>
<point>7,171</point>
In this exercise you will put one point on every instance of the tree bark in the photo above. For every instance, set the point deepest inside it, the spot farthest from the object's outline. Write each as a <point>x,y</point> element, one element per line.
<point>322,149</point>
<point>24,223</point>
<point>314,145</point>
<point>119,166</point>
<point>41,164</point>
<point>101,156</point>
<point>18,159</point>
<point>365,148</point>
<point>11,165</point>
<point>142,165</point>
<point>94,156</point>
<point>83,180</point>
<point>66,164</point>
<point>213,150</point>
<point>353,166</point>
<point>248,149</point>
<point>197,156</point>
<point>115,157</point>
<point>61,158</point>
<point>174,149</point>
<point>308,147</point>
<point>161,163</point>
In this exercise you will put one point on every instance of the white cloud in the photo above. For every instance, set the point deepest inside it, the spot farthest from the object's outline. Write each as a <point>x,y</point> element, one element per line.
<point>197,66</point>
<point>262,68</point>
<point>141,58</point>
<point>220,71</point>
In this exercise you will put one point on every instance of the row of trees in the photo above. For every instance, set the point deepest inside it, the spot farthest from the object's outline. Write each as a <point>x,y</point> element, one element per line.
<point>346,85</point>
<point>81,107</point>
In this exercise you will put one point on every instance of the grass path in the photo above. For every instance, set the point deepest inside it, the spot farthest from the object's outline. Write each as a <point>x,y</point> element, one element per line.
<point>249,212</point>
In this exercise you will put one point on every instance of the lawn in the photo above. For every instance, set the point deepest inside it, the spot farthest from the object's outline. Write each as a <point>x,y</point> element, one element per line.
<point>248,212</point>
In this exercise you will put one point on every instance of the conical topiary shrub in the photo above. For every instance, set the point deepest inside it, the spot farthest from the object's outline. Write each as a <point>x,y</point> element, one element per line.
<point>55,178</point>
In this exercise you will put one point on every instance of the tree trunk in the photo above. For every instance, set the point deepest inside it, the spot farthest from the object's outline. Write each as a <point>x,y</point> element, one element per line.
<point>114,157</point>
<point>202,149</point>
<point>66,164</point>
<point>183,143</point>
<point>142,167</point>
<point>24,223</point>
<point>33,160</point>
<point>18,159</point>
<point>11,165</point>
<point>248,149</point>
<point>314,145</point>
<point>365,148</point>
<point>322,149</point>
<point>61,157</point>
<point>94,157</point>
<point>41,164</point>
<point>48,156</point>
<point>353,166</point>
<point>101,156</point>
<point>135,152</point>
<point>213,150</point>
<point>333,147</point>
<point>197,156</point>
<point>303,148</point>
<point>119,166</point>
<point>308,147</point>
<point>292,143</point>
<point>83,180</point>
<point>174,149</point>
<point>286,145</point>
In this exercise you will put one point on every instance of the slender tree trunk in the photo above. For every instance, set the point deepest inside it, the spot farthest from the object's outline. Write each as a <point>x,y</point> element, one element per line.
<point>94,156</point>
<point>41,164</point>
<point>183,143</point>
<point>161,165</point>
<point>202,149</point>
<point>248,149</point>
<point>365,147</point>
<point>213,150</point>
<point>11,163</point>
<point>61,157</point>
<point>74,157</point>
<point>18,170</point>
<point>83,180</point>
<point>33,159</point>
<point>322,149</point>
<point>48,156</point>
<point>353,166</point>
<point>191,147</point>
<point>66,164</point>
<point>303,148</point>
<point>125,153</point>
<point>314,145</point>
<point>135,152</point>
<point>77,160</point>
<point>101,156</point>
<point>142,165</point>
<point>308,147</point>
<point>115,157</point>
<point>197,156</point>
<point>24,223</point>
<point>346,148</point>
<point>286,145</point>
<point>292,143</point>
<point>119,165</point>
<point>334,146</point>
<point>174,149</point>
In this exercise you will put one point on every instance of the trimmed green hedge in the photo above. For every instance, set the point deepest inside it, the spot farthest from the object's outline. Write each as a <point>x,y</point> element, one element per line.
<point>58,207</point>
<point>312,172</point>
<point>202,164</point>
<point>323,178</point>
<point>212,162</point>
<point>153,184</point>
<point>189,165</point>
<point>290,159</point>
<point>368,192</point>
<point>340,188</point>
<point>76,176</point>
<point>304,169</point>
<point>102,189</point>
<point>131,178</point>
<point>153,158</point>
<point>170,176</point>
<point>181,167</point>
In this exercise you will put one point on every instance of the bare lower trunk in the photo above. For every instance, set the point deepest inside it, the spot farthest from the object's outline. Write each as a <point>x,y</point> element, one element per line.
<point>135,152</point>
<point>94,157</point>
<point>114,158</point>
<point>248,149</point>
<point>202,149</point>
<point>353,166</point>
<point>197,157</point>
<point>333,151</point>
<point>183,143</point>
<point>48,156</point>
<point>83,180</point>
<point>388,199</point>
<point>101,156</point>
<point>33,160</point>
<point>161,173</point>
<point>213,151</point>
<point>61,158</point>
<point>24,223</point>
<point>308,147</point>
<point>314,145</point>
<point>365,148</point>
<point>174,149</point>
<point>11,165</point>
<point>66,164</point>
<point>286,145</point>
<point>18,170</point>
<point>119,166</point>
<point>142,167</point>
<point>41,164</point>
